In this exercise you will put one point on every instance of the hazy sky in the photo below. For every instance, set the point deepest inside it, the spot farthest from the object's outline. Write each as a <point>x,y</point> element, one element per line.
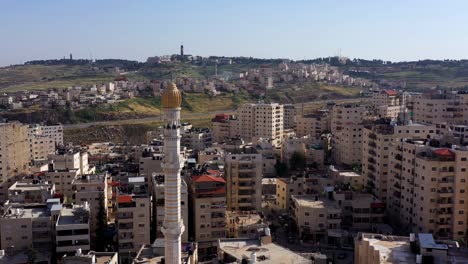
<point>135,29</point>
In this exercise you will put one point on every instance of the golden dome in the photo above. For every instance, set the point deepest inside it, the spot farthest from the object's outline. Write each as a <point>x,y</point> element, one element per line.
<point>171,97</point>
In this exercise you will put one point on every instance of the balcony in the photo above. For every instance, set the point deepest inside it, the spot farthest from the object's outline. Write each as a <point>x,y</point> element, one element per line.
<point>372,152</point>
<point>398,166</point>
<point>371,168</point>
<point>372,144</point>
<point>371,160</point>
<point>398,157</point>
<point>372,136</point>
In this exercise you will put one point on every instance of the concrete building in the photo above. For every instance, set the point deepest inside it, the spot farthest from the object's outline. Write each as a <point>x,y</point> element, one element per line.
<point>244,181</point>
<point>428,188</point>
<point>224,127</point>
<point>25,192</point>
<point>71,160</point>
<point>133,215</point>
<point>347,114</point>
<point>378,140</point>
<point>28,226</point>
<point>159,202</point>
<point>347,145</point>
<point>441,107</point>
<point>92,258</point>
<point>72,230</point>
<point>197,139</point>
<point>244,224</point>
<point>380,249</point>
<point>208,202</point>
<point>63,181</point>
<point>43,140</point>
<point>245,250</point>
<point>385,98</point>
<point>14,155</point>
<point>92,189</point>
<point>289,119</point>
<point>261,121</point>
<point>313,125</point>
<point>315,216</point>
<point>298,185</point>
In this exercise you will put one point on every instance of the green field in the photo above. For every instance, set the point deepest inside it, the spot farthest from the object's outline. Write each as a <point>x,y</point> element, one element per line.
<point>39,77</point>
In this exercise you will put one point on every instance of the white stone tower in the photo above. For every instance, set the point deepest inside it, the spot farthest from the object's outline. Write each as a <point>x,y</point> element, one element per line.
<point>173,225</point>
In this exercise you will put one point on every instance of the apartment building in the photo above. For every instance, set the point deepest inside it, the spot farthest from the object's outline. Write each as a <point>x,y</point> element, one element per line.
<point>347,114</point>
<point>133,215</point>
<point>14,155</point>
<point>289,119</point>
<point>261,121</point>
<point>72,230</point>
<point>43,140</point>
<point>92,258</point>
<point>360,211</point>
<point>314,215</point>
<point>224,127</point>
<point>158,205</point>
<point>26,192</point>
<point>429,188</point>
<point>298,185</point>
<point>63,181</point>
<point>379,249</point>
<point>244,224</point>
<point>385,98</point>
<point>213,155</point>
<point>347,145</point>
<point>28,226</point>
<point>208,205</point>
<point>313,125</point>
<point>197,139</point>
<point>243,173</point>
<point>379,138</point>
<point>441,107</point>
<point>458,132</point>
<point>71,160</point>
<point>92,189</point>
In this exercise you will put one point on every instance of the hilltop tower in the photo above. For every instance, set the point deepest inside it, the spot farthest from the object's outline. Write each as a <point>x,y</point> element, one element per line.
<point>173,225</point>
<point>181,50</point>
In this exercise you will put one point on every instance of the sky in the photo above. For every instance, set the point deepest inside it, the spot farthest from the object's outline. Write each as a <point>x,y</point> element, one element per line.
<point>396,30</point>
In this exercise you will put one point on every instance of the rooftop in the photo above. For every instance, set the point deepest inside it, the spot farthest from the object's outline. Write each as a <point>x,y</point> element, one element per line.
<point>73,216</point>
<point>313,201</point>
<point>35,211</point>
<point>271,253</point>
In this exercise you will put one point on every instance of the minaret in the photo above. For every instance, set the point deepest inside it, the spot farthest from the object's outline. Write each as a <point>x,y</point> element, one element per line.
<point>173,225</point>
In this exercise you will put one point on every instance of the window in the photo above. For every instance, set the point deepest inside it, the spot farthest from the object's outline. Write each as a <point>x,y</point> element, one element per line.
<point>141,225</point>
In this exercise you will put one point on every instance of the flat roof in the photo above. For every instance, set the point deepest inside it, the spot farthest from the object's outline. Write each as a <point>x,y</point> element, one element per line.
<point>28,212</point>
<point>68,217</point>
<point>275,254</point>
<point>311,202</point>
<point>393,249</point>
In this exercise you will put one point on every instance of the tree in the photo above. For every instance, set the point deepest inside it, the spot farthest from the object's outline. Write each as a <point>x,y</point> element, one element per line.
<point>281,169</point>
<point>297,161</point>
<point>101,224</point>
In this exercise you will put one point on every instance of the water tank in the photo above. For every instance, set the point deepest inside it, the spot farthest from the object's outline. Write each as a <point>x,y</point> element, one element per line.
<point>78,252</point>
<point>267,231</point>
<point>412,237</point>
<point>418,259</point>
<point>2,253</point>
<point>253,258</point>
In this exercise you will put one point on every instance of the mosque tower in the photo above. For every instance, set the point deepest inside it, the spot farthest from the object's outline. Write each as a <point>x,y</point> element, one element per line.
<point>173,225</point>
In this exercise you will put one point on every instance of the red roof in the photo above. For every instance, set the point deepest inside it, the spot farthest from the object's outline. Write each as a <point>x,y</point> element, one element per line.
<point>121,78</point>
<point>444,152</point>
<point>208,178</point>
<point>124,199</point>
<point>220,118</point>
<point>391,92</point>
